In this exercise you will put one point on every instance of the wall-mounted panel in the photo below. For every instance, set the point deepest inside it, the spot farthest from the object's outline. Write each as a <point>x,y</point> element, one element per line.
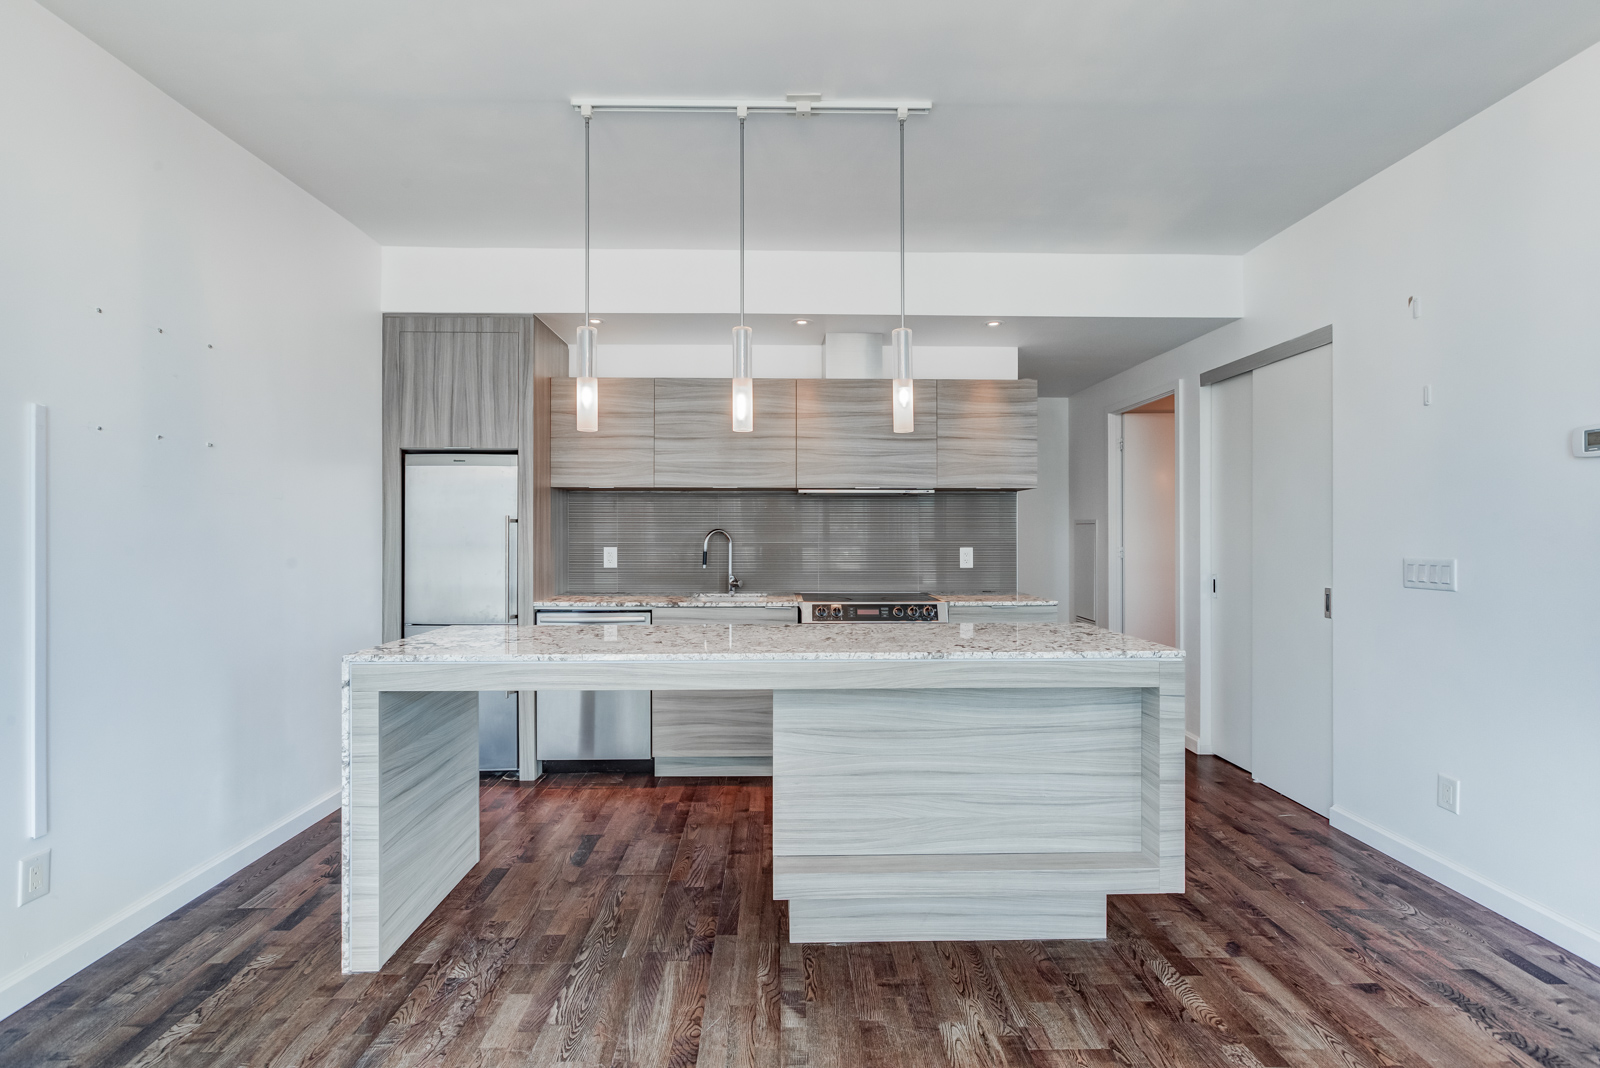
<point>844,435</point>
<point>695,446</point>
<point>988,434</point>
<point>621,452</point>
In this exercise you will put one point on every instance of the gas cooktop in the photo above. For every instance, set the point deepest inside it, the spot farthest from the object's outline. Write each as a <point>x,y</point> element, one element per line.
<point>870,608</point>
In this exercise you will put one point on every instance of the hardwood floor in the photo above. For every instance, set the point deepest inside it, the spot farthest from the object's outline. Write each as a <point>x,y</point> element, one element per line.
<point>628,921</point>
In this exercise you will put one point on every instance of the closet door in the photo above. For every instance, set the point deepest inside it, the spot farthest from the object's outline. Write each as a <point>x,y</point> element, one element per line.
<point>1291,489</point>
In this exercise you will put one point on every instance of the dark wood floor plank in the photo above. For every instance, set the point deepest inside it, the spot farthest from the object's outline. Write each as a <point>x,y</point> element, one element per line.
<point>620,920</point>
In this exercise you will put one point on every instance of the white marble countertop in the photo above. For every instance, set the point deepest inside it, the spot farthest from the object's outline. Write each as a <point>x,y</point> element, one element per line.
<point>672,600</point>
<point>758,641</point>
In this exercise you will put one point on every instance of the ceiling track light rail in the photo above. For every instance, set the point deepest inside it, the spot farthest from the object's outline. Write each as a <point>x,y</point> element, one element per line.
<point>588,105</point>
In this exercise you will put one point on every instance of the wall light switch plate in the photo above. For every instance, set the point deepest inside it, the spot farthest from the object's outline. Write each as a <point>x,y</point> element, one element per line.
<point>1429,575</point>
<point>966,556</point>
<point>1450,794</point>
<point>33,877</point>
<point>609,553</point>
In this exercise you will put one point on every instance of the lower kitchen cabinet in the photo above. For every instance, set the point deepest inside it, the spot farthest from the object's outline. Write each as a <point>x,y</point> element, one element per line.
<point>712,732</point>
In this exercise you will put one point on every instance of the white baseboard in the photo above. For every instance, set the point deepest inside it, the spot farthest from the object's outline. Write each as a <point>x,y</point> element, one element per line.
<point>57,965</point>
<point>1191,742</point>
<point>1569,934</point>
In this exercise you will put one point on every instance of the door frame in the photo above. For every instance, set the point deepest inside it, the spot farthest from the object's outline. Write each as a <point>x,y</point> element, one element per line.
<point>1114,526</point>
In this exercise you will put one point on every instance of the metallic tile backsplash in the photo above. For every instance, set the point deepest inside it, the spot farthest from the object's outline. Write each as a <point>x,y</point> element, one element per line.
<point>786,542</point>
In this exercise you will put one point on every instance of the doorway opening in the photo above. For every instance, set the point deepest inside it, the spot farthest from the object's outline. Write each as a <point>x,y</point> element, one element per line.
<point>1149,527</point>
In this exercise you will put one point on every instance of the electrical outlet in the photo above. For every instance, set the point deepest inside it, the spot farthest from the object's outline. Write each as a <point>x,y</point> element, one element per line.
<point>33,877</point>
<point>609,553</point>
<point>966,556</point>
<point>1450,794</point>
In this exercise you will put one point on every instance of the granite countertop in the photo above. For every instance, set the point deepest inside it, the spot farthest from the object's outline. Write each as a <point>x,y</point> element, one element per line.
<point>758,641</point>
<point>672,600</point>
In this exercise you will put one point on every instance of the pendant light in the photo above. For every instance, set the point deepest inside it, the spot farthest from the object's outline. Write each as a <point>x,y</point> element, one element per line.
<point>900,392</point>
<point>744,398</point>
<point>588,385</point>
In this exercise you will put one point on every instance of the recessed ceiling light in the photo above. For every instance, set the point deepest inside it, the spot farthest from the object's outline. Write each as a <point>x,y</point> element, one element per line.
<point>596,322</point>
<point>992,322</point>
<point>801,322</point>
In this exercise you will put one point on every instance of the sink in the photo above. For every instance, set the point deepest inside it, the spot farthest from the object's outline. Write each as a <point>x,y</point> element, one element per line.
<point>735,596</point>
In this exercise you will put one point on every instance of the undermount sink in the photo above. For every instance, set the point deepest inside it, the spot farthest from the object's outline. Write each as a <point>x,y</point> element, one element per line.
<point>733,596</point>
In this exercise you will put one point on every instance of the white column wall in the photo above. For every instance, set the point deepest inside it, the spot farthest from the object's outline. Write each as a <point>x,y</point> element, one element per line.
<point>1495,228</point>
<point>206,336</point>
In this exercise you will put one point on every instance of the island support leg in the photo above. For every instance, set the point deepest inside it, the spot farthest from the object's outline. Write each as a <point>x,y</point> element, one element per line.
<point>410,813</point>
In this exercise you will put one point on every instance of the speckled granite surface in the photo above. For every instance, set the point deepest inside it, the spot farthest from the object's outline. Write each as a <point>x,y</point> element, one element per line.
<point>666,600</point>
<point>757,641</point>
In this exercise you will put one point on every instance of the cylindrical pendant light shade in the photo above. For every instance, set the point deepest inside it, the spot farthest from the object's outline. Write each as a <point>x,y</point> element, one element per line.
<point>904,417</point>
<point>744,401</point>
<point>588,385</point>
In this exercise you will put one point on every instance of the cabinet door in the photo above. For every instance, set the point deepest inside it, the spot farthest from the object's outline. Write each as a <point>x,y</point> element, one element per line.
<point>696,445</point>
<point>621,453</point>
<point>845,439</point>
<point>460,383</point>
<point>988,434</point>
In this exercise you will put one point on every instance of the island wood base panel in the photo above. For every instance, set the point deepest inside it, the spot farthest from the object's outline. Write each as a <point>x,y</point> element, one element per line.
<point>980,918</point>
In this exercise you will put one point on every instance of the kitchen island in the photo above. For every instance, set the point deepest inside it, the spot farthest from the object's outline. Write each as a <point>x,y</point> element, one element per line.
<point>972,781</point>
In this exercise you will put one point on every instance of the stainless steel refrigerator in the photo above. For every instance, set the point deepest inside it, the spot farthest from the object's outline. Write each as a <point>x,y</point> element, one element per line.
<point>460,565</point>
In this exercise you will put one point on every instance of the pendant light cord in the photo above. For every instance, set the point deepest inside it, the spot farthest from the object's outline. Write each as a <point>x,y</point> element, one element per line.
<point>586,219</point>
<point>902,223</point>
<point>741,221</point>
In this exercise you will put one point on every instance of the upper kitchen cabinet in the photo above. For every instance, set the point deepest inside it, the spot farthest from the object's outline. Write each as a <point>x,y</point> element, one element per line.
<point>455,382</point>
<point>621,454</point>
<point>696,447</point>
<point>988,434</point>
<point>845,439</point>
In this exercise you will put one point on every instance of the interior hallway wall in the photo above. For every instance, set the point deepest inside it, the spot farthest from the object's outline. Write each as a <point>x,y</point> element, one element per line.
<point>1044,524</point>
<point>1495,229</point>
<point>206,336</point>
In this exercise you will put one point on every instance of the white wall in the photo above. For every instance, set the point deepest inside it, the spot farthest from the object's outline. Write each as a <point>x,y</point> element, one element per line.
<point>1044,563</point>
<point>639,281</point>
<point>1495,227</point>
<point>157,280</point>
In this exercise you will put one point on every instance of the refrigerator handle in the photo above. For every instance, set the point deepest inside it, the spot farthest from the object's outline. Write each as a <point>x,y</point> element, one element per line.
<point>511,578</point>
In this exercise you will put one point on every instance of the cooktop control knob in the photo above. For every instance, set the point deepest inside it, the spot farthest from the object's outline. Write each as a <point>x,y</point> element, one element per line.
<point>837,611</point>
<point>820,611</point>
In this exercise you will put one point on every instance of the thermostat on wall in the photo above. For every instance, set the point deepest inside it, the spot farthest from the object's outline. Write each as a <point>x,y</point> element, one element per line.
<point>1586,441</point>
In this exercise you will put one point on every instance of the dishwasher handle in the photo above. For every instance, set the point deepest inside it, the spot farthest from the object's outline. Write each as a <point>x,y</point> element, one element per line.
<point>546,617</point>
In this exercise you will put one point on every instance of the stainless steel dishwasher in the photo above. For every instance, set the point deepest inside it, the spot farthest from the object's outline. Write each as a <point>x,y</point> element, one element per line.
<point>592,724</point>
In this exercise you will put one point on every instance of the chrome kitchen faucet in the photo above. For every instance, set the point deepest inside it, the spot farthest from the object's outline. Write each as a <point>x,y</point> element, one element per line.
<point>705,553</point>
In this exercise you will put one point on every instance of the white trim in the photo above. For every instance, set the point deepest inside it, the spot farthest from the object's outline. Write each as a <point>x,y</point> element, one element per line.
<point>57,965</point>
<point>1191,742</point>
<point>1564,931</point>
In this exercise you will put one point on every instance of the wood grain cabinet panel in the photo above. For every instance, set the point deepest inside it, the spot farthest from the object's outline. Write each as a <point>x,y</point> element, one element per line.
<point>621,453</point>
<point>988,434</point>
<point>461,386</point>
<point>845,439</point>
<point>693,723</point>
<point>697,448</point>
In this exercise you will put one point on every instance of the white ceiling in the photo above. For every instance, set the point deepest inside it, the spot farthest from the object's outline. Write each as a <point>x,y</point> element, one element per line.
<point>1058,125</point>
